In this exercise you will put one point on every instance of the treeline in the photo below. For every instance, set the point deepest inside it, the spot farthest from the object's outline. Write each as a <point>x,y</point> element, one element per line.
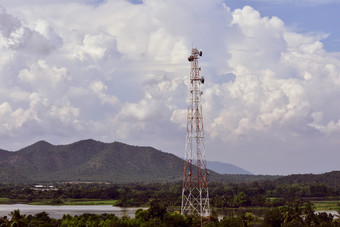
<point>263,193</point>
<point>330,179</point>
<point>291,214</point>
<point>298,213</point>
<point>126,195</point>
<point>267,193</point>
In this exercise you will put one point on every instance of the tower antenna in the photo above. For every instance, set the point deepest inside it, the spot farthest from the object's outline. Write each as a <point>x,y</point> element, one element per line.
<point>195,194</point>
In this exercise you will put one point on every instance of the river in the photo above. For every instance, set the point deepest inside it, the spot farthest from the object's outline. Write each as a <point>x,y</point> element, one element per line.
<point>58,211</point>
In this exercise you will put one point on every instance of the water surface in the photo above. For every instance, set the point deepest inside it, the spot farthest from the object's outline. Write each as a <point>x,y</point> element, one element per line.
<point>58,211</point>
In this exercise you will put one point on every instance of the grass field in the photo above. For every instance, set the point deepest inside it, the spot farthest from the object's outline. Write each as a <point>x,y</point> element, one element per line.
<point>5,200</point>
<point>90,202</point>
<point>76,202</point>
<point>327,205</point>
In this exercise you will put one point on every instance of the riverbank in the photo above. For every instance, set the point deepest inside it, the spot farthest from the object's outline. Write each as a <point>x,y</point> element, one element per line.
<point>58,211</point>
<point>59,201</point>
<point>78,202</point>
<point>319,205</point>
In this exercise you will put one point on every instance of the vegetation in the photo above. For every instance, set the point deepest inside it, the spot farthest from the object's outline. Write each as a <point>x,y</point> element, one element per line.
<point>331,179</point>
<point>327,205</point>
<point>287,201</point>
<point>284,204</point>
<point>268,193</point>
<point>294,213</point>
<point>74,202</point>
<point>297,213</point>
<point>93,161</point>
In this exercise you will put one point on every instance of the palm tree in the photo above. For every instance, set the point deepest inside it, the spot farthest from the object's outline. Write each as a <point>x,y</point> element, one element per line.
<point>3,221</point>
<point>292,213</point>
<point>17,219</point>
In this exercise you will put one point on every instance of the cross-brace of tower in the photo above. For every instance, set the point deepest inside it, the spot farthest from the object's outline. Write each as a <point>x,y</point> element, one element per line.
<point>195,194</point>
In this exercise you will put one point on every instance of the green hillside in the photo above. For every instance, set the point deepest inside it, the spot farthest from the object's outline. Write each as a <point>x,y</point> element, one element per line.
<point>94,161</point>
<point>330,179</point>
<point>89,160</point>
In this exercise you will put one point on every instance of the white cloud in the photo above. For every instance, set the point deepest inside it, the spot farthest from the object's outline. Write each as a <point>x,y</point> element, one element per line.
<point>117,71</point>
<point>43,76</point>
<point>301,2</point>
<point>261,42</point>
<point>8,23</point>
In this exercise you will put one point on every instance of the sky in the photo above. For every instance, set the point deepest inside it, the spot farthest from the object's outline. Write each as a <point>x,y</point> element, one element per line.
<point>117,70</point>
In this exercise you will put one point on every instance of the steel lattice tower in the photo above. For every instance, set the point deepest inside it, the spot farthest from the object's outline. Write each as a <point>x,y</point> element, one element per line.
<point>195,195</point>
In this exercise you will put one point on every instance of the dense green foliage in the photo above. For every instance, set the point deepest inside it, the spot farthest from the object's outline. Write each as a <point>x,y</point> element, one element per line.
<point>223,195</point>
<point>17,219</point>
<point>126,195</point>
<point>286,204</point>
<point>297,213</point>
<point>267,193</point>
<point>285,198</point>
<point>330,179</point>
<point>291,214</point>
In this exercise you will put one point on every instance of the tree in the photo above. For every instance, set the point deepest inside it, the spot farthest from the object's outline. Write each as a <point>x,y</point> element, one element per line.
<point>174,220</point>
<point>310,217</point>
<point>156,210</point>
<point>43,216</point>
<point>292,213</point>
<point>57,201</point>
<point>231,221</point>
<point>17,220</point>
<point>4,221</point>
<point>241,199</point>
<point>325,218</point>
<point>273,218</point>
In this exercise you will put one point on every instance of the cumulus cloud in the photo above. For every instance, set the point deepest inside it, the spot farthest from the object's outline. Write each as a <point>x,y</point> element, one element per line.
<point>114,70</point>
<point>18,37</point>
<point>301,2</point>
<point>45,79</point>
<point>8,23</point>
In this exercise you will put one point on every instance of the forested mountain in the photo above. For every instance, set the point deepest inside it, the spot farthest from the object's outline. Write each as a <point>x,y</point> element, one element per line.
<point>94,161</point>
<point>89,160</point>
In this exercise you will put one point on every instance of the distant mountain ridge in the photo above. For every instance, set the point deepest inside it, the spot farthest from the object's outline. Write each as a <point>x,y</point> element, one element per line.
<point>95,161</point>
<point>226,168</point>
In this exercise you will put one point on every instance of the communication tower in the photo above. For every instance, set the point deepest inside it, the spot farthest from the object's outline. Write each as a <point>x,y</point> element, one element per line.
<point>195,194</point>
